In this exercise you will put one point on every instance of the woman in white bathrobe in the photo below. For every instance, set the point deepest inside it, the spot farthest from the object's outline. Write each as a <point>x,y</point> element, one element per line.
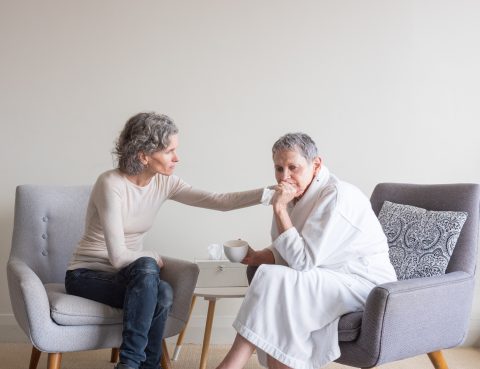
<point>328,251</point>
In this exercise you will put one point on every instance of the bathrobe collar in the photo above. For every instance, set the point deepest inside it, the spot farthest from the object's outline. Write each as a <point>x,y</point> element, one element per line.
<point>302,209</point>
<point>312,192</point>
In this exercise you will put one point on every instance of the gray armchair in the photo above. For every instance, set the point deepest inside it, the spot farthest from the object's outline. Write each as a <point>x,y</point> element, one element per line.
<point>49,221</point>
<point>417,316</point>
<point>423,315</point>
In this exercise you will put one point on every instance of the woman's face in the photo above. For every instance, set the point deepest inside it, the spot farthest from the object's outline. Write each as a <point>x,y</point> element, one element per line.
<point>164,161</point>
<point>293,168</point>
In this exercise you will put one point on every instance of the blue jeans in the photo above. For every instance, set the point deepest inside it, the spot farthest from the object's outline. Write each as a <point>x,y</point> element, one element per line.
<point>145,299</point>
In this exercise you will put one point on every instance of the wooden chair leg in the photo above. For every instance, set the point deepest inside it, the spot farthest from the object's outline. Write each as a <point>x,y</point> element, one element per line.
<point>34,358</point>
<point>438,360</point>
<point>54,360</point>
<point>115,355</point>
<point>166,363</point>
<point>181,336</point>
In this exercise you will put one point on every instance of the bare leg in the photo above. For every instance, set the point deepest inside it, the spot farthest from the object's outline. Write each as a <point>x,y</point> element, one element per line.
<point>275,364</point>
<point>238,355</point>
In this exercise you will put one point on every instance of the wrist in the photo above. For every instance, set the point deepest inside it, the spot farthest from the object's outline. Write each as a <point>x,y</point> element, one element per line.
<point>258,258</point>
<point>279,208</point>
<point>264,256</point>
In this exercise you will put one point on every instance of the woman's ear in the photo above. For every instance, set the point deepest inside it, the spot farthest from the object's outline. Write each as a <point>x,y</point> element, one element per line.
<point>143,158</point>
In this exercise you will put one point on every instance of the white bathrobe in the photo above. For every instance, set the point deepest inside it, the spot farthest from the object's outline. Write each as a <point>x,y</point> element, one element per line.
<point>333,256</point>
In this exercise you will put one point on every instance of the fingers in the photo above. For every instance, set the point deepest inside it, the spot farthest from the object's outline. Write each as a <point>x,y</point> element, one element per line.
<point>287,186</point>
<point>248,259</point>
<point>282,184</point>
<point>285,191</point>
<point>249,255</point>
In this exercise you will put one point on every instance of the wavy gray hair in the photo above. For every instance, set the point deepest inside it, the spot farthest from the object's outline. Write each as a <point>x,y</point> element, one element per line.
<point>298,141</point>
<point>144,132</point>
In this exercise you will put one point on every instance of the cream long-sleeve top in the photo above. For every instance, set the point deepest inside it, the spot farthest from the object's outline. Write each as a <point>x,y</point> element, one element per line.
<point>120,213</point>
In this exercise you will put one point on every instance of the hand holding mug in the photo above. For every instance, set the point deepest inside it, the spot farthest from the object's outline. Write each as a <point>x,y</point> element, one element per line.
<point>235,250</point>
<point>250,258</point>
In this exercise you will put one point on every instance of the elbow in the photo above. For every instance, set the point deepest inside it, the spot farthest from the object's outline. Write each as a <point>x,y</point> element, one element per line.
<point>117,262</point>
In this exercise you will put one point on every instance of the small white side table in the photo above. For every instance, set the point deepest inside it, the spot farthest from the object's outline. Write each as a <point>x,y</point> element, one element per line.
<point>211,294</point>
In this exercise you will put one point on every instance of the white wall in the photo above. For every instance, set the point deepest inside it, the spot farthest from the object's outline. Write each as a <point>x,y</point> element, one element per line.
<point>389,90</point>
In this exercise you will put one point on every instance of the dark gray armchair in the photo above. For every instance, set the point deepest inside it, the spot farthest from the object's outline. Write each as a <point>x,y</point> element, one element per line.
<point>417,316</point>
<point>49,221</point>
<point>422,315</point>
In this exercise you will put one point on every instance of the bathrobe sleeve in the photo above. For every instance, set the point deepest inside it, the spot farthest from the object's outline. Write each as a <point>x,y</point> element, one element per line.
<point>319,237</point>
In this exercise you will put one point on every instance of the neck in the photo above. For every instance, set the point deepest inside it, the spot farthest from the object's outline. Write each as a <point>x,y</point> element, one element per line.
<point>142,179</point>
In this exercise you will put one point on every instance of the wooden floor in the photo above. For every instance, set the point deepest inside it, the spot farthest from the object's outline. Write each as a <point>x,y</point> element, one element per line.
<point>17,356</point>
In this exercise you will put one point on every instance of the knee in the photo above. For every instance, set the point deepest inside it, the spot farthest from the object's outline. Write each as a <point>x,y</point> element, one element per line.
<point>165,294</point>
<point>145,265</point>
<point>270,273</point>
<point>265,271</point>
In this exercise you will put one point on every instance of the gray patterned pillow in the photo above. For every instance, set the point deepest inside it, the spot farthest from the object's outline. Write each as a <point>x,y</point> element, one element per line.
<point>420,241</point>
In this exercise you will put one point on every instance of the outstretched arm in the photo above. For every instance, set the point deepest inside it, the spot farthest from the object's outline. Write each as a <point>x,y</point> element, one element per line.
<point>188,195</point>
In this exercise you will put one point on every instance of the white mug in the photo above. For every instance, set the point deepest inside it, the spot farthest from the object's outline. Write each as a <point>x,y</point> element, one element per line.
<point>235,250</point>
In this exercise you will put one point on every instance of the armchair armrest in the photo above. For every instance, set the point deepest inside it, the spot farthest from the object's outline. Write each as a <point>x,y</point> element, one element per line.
<point>28,298</point>
<point>396,312</point>
<point>425,283</point>
<point>182,276</point>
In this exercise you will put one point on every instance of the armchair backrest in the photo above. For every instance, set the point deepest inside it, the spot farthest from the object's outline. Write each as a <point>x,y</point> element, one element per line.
<point>49,221</point>
<point>453,197</point>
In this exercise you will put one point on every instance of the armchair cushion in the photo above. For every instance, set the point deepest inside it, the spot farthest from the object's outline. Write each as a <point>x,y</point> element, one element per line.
<point>421,241</point>
<point>349,326</point>
<point>68,309</point>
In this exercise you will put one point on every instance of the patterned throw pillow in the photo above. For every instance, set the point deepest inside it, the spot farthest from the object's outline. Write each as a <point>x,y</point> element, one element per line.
<point>420,241</point>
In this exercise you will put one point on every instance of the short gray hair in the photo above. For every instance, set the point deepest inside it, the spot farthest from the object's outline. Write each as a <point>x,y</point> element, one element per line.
<point>144,132</point>
<point>298,141</point>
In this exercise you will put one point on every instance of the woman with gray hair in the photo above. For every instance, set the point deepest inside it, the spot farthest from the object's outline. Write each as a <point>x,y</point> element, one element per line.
<point>109,264</point>
<point>328,251</point>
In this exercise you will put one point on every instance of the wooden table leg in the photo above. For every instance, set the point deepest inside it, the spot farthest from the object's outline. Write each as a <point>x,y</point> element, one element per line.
<point>34,358</point>
<point>181,336</point>
<point>208,333</point>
